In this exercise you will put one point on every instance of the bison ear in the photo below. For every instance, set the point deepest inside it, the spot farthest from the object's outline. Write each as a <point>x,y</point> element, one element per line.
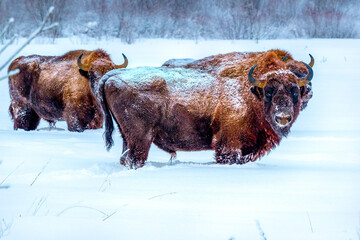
<point>258,92</point>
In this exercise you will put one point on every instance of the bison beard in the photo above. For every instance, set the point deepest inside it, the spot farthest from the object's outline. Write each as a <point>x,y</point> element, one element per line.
<point>56,88</point>
<point>238,104</point>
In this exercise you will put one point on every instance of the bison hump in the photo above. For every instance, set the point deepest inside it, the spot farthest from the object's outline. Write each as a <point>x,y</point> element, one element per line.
<point>162,79</point>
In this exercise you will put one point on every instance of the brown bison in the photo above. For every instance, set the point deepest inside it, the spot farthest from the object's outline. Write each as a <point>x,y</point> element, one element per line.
<point>239,104</point>
<point>57,88</point>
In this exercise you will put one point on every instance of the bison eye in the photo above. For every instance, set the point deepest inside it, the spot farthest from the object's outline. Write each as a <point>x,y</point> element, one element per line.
<point>269,92</point>
<point>295,94</point>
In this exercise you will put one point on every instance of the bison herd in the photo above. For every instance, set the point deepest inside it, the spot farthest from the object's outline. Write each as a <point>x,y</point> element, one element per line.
<point>238,104</point>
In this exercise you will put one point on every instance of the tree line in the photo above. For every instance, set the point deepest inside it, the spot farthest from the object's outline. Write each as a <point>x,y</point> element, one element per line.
<point>186,19</point>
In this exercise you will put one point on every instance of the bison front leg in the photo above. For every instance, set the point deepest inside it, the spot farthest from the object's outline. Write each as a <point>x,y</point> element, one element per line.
<point>24,116</point>
<point>226,156</point>
<point>232,146</point>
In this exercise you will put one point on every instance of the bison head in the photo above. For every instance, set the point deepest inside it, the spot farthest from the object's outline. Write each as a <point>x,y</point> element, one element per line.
<point>96,64</point>
<point>284,92</point>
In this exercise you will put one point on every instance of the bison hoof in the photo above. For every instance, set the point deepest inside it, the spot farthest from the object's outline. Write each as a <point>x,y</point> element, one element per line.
<point>131,163</point>
<point>234,159</point>
<point>247,158</point>
<point>122,162</point>
<point>226,159</point>
<point>241,161</point>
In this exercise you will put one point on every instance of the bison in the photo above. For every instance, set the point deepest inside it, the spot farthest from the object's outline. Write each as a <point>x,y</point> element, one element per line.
<point>56,88</point>
<point>238,104</point>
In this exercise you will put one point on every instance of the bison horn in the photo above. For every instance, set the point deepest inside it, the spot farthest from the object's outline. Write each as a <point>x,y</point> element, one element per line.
<point>84,67</point>
<point>303,81</point>
<point>254,81</point>
<point>311,64</point>
<point>124,65</point>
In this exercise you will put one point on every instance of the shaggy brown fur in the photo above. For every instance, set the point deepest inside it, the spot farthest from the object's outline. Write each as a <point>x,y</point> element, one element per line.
<point>206,104</point>
<point>53,88</point>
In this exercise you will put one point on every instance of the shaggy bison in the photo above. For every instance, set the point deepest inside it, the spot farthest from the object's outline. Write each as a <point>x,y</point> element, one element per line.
<point>56,88</point>
<point>239,104</point>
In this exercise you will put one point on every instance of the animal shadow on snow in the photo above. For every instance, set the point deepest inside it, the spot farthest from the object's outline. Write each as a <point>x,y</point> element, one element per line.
<point>110,168</point>
<point>175,163</point>
<point>212,164</point>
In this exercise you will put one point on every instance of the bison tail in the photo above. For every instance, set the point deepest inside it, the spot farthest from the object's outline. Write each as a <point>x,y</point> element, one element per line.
<point>109,125</point>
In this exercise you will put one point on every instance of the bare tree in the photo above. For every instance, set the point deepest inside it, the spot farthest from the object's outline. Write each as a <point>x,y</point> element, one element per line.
<point>2,33</point>
<point>30,38</point>
<point>38,11</point>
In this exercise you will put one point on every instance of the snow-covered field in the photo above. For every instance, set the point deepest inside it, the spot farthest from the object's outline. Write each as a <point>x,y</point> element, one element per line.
<point>64,185</point>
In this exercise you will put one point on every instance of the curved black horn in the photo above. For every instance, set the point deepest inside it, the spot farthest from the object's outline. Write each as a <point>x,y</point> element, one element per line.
<point>124,65</point>
<point>311,72</point>
<point>250,75</point>
<point>303,81</point>
<point>312,61</point>
<point>81,65</point>
<point>254,81</point>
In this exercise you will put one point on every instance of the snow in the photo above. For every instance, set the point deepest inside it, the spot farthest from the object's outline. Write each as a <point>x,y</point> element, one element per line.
<point>178,62</point>
<point>275,73</point>
<point>177,79</point>
<point>65,185</point>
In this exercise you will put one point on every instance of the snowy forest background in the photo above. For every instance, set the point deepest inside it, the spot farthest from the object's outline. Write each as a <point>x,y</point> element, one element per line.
<point>186,19</point>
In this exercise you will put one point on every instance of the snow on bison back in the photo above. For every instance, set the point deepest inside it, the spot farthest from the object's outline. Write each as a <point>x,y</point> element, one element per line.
<point>239,104</point>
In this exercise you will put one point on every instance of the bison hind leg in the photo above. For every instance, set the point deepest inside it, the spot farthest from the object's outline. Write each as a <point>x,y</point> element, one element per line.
<point>132,160</point>
<point>138,151</point>
<point>74,121</point>
<point>172,157</point>
<point>124,152</point>
<point>24,117</point>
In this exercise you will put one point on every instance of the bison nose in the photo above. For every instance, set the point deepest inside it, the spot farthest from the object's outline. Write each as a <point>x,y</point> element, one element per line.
<point>283,119</point>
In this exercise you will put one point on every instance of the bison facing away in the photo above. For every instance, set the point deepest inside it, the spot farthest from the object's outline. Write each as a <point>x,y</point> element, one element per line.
<point>238,104</point>
<point>57,88</point>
